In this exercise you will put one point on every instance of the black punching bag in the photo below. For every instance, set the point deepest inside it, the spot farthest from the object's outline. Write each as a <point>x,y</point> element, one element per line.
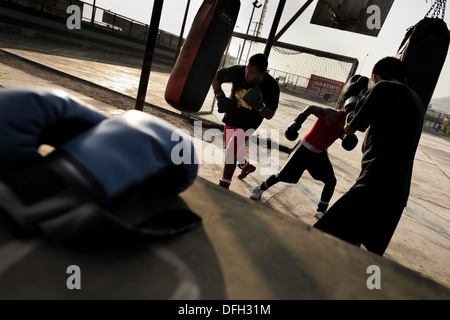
<point>201,54</point>
<point>423,50</point>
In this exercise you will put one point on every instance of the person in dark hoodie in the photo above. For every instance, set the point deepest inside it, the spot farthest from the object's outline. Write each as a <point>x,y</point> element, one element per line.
<point>392,115</point>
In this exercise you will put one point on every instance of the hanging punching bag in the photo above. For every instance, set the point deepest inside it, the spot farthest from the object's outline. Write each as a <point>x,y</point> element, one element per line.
<point>423,50</point>
<point>201,54</point>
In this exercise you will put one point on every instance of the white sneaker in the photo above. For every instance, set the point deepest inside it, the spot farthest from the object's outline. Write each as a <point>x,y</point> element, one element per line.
<point>256,193</point>
<point>319,215</point>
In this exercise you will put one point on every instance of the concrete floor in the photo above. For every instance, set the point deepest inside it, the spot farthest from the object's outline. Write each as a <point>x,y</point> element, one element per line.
<point>422,240</point>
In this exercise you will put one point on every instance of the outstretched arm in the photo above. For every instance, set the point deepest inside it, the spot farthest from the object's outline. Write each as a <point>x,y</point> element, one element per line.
<point>328,115</point>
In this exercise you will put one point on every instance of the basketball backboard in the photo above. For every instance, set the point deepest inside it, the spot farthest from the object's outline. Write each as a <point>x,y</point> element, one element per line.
<point>361,16</point>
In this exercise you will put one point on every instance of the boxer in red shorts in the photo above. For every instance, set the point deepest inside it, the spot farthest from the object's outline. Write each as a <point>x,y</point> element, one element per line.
<point>254,97</point>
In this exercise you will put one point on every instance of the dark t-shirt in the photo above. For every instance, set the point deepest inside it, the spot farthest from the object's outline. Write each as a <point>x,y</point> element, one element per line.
<point>393,116</point>
<point>241,117</point>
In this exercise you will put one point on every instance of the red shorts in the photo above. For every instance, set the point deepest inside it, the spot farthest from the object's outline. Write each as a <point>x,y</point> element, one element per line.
<point>235,140</point>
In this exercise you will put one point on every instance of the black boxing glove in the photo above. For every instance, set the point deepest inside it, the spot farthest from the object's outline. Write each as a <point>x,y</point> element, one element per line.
<point>30,117</point>
<point>99,166</point>
<point>349,141</point>
<point>224,104</point>
<point>353,89</point>
<point>254,99</point>
<point>292,131</point>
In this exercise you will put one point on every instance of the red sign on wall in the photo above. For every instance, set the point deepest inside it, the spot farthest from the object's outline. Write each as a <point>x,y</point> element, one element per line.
<point>321,84</point>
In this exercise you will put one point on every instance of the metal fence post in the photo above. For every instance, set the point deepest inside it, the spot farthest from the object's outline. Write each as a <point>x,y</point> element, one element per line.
<point>148,57</point>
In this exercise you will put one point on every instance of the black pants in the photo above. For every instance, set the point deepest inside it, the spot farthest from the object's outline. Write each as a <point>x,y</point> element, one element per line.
<point>362,216</point>
<point>317,164</point>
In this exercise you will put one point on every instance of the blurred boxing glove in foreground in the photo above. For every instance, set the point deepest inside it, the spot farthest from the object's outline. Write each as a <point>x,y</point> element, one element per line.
<point>99,161</point>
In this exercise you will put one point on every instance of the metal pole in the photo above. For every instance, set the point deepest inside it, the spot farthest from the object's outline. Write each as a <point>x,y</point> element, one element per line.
<point>148,56</point>
<point>180,39</point>
<point>290,22</point>
<point>93,13</point>
<point>250,46</point>
<point>255,5</point>
<point>273,30</point>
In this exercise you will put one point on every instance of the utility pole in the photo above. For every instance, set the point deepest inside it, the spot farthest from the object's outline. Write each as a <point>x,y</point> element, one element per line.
<point>255,5</point>
<point>261,19</point>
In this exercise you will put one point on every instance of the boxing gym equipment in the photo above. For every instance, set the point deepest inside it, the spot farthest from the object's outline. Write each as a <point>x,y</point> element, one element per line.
<point>224,104</point>
<point>201,54</point>
<point>355,87</point>
<point>253,99</point>
<point>424,50</point>
<point>31,117</point>
<point>123,173</point>
<point>292,131</point>
<point>349,141</point>
<point>352,91</point>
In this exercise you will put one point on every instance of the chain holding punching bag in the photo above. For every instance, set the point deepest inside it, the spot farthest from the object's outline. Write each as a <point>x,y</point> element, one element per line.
<point>424,50</point>
<point>201,54</point>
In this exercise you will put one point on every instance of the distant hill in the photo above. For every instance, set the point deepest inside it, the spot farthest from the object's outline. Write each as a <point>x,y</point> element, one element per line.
<point>441,104</point>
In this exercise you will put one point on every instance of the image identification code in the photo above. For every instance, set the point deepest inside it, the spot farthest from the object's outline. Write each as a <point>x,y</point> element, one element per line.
<point>232,309</point>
